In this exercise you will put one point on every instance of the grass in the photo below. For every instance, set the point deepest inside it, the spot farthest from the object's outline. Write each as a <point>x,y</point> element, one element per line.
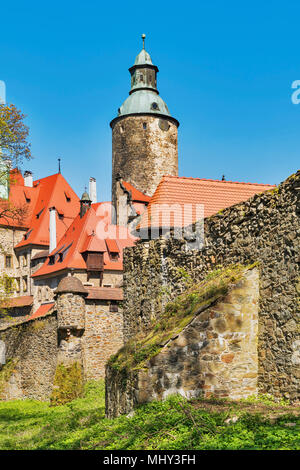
<point>177,315</point>
<point>173,424</point>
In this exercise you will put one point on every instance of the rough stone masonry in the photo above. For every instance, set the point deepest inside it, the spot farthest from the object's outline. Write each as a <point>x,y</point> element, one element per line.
<point>265,229</point>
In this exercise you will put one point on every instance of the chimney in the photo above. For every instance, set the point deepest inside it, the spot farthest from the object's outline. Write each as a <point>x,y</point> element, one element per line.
<point>93,190</point>
<point>28,179</point>
<point>52,229</point>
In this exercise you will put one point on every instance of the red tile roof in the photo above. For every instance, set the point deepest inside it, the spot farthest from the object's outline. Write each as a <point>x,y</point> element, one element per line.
<point>112,246</point>
<point>104,293</point>
<point>35,203</point>
<point>51,193</point>
<point>88,233</point>
<point>137,196</point>
<point>20,201</point>
<point>93,243</point>
<point>185,194</point>
<point>22,301</point>
<point>41,311</point>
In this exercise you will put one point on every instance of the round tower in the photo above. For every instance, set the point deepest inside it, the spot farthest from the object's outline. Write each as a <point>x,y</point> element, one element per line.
<point>70,304</point>
<point>144,134</point>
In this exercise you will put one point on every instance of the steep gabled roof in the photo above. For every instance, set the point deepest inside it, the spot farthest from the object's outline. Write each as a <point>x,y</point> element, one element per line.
<point>52,191</point>
<point>137,196</point>
<point>182,195</point>
<point>18,209</point>
<point>87,234</point>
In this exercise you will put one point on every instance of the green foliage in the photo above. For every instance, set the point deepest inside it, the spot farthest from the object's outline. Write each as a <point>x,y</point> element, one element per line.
<point>169,425</point>
<point>6,372</point>
<point>13,134</point>
<point>6,291</point>
<point>176,316</point>
<point>267,399</point>
<point>68,384</point>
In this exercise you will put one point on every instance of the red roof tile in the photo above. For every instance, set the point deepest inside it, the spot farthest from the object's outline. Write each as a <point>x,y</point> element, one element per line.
<point>23,301</point>
<point>21,203</point>
<point>93,243</point>
<point>51,193</point>
<point>112,246</point>
<point>88,233</point>
<point>176,199</point>
<point>33,204</point>
<point>137,196</point>
<point>104,293</point>
<point>41,311</point>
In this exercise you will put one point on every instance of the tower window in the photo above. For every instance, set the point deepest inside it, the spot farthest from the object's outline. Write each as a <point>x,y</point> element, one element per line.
<point>154,106</point>
<point>144,125</point>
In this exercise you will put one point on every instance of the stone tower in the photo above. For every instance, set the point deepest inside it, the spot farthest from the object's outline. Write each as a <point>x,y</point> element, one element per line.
<point>144,134</point>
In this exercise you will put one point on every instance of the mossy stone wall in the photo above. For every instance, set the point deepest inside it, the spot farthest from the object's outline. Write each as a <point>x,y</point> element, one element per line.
<point>264,229</point>
<point>31,347</point>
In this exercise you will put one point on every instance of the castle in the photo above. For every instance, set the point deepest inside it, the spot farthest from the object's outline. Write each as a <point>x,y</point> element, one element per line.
<point>66,254</point>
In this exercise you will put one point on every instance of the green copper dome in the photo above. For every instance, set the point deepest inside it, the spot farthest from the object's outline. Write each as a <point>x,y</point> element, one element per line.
<point>143,96</point>
<point>85,197</point>
<point>144,101</point>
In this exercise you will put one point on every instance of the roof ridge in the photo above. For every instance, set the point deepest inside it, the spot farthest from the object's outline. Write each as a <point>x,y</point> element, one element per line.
<point>216,181</point>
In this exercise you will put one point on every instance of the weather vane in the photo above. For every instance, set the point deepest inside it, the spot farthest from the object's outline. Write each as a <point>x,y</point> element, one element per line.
<point>143,38</point>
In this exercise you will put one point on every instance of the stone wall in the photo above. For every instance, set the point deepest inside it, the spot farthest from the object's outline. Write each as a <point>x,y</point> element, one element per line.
<point>20,263</point>
<point>264,229</point>
<point>32,346</point>
<point>215,354</point>
<point>103,337</point>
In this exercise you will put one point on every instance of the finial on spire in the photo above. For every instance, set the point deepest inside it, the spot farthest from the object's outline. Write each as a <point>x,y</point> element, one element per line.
<point>59,165</point>
<point>143,38</point>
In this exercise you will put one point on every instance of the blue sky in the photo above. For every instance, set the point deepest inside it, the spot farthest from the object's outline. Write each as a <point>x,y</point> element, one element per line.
<point>226,70</point>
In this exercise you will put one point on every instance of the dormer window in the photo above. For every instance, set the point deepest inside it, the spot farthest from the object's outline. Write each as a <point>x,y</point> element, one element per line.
<point>68,197</point>
<point>154,106</point>
<point>63,254</point>
<point>39,214</point>
<point>27,234</point>
<point>113,249</point>
<point>27,196</point>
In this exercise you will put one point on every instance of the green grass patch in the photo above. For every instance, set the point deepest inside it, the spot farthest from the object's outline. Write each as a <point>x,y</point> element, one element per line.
<point>177,315</point>
<point>172,424</point>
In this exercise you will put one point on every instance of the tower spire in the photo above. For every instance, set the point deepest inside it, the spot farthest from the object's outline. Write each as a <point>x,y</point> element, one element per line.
<point>143,38</point>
